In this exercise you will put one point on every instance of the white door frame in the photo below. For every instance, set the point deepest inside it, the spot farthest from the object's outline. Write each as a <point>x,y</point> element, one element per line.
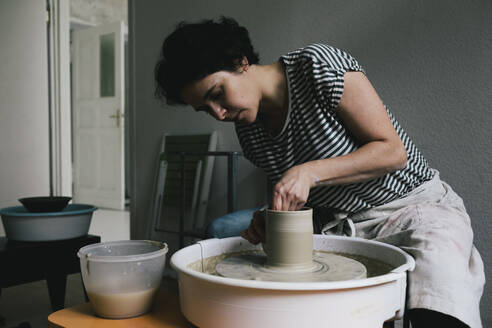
<point>58,16</point>
<point>60,108</point>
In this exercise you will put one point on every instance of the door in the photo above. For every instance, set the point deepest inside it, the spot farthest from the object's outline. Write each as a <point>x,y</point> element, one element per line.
<point>98,115</point>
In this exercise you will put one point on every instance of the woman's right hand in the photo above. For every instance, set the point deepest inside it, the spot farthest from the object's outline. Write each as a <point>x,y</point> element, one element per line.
<point>255,233</point>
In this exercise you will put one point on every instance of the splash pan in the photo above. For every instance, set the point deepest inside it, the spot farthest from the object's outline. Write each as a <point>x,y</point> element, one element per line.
<point>209,300</point>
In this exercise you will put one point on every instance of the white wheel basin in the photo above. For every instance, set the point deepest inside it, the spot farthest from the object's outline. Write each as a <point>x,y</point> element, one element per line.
<point>219,302</point>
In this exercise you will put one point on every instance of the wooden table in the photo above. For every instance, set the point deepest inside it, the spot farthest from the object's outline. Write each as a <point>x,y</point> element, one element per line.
<point>166,313</point>
<point>24,262</point>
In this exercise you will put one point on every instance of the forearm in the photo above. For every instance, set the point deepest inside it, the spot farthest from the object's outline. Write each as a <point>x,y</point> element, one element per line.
<point>370,161</point>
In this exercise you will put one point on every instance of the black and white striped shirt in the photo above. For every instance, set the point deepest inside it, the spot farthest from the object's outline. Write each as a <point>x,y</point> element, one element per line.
<point>313,130</point>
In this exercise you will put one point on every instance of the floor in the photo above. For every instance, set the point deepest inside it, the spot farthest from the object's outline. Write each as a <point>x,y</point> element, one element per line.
<point>110,225</point>
<point>29,303</point>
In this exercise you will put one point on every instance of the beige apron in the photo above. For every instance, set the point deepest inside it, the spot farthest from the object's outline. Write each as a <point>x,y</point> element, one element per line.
<point>432,225</point>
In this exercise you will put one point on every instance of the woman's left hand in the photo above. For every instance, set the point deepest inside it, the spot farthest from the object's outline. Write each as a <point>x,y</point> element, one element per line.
<point>292,191</point>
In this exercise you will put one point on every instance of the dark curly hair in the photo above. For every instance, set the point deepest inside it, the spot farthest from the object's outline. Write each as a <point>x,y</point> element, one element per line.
<point>196,50</point>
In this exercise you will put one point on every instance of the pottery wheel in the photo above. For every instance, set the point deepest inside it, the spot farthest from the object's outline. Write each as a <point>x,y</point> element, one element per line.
<point>326,267</point>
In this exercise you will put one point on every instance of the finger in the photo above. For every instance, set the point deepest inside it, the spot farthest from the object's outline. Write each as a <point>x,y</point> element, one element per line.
<point>285,201</point>
<point>246,235</point>
<point>294,199</point>
<point>258,226</point>
<point>252,236</point>
<point>261,223</point>
<point>292,206</point>
<point>279,196</point>
<point>300,205</point>
<point>277,202</point>
<point>289,202</point>
<point>256,223</point>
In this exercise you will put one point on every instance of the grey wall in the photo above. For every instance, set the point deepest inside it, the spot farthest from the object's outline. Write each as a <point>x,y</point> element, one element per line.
<point>24,161</point>
<point>429,61</point>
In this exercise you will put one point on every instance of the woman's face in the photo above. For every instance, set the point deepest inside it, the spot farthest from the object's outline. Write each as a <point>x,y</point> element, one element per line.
<point>227,96</point>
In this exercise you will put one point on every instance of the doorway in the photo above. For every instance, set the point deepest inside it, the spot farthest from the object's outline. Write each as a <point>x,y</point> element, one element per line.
<point>98,98</point>
<point>70,140</point>
<point>98,94</point>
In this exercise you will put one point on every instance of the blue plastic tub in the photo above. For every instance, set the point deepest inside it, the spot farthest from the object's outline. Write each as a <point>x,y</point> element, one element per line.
<point>72,222</point>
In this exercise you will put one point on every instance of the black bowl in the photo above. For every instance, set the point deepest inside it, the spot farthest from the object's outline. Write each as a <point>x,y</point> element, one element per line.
<point>45,204</point>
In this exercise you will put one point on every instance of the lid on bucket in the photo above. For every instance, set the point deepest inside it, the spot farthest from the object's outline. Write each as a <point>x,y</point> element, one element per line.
<point>123,250</point>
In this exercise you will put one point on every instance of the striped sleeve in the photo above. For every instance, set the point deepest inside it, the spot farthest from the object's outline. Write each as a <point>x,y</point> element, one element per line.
<point>329,67</point>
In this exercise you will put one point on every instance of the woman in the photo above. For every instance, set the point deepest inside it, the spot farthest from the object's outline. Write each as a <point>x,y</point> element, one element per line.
<point>314,123</point>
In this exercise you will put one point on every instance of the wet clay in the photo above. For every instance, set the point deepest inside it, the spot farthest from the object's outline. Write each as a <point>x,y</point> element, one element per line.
<point>289,256</point>
<point>289,249</point>
<point>209,265</point>
<point>289,239</point>
<point>122,305</point>
<point>324,267</point>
